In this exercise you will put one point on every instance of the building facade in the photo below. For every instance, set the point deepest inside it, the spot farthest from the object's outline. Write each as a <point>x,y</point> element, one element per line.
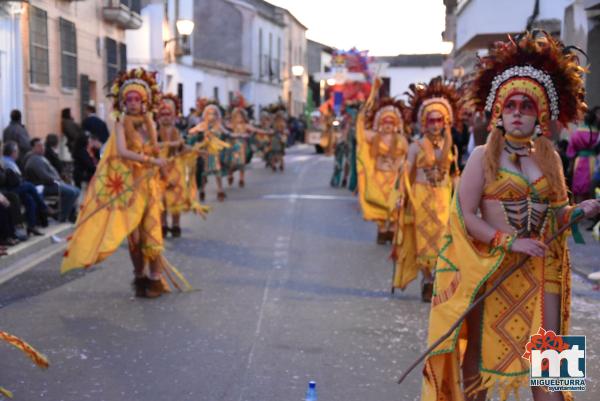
<point>400,71</point>
<point>11,61</point>
<point>473,25</point>
<point>294,69</point>
<point>70,52</point>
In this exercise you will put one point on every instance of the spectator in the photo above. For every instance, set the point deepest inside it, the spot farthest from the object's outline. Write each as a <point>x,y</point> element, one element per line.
<point>94,124</point>
<point>85,159</point>
<point>39,171</point>
<point>27,192</point>
<point>70,129</point>
<point>51,153</point>
<point>7,226</point>
<point>17,133</point>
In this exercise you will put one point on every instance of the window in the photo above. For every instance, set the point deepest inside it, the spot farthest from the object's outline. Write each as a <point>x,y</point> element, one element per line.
<point>216,94</point>
<point>198,89</point>
<point>230,97</point>
<point>38,46</point>
<point>68,53</point>
<point>278,61</point>
<point>260,54</point>
<point>180,91</point>
<point>122,56</point>
<point>270,58</point>
<point>112,63</point>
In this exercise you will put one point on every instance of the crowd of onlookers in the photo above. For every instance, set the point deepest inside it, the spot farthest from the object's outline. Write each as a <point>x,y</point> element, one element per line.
<point>36,184</point>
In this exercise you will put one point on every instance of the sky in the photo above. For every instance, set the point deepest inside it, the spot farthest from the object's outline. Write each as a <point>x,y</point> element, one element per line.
<point>384,27</point>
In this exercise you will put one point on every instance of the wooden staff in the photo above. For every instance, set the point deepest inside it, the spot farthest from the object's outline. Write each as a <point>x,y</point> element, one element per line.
<point>502,278</point>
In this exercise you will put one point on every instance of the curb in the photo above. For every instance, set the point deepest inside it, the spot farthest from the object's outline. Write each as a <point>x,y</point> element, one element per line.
<point>39,246</point>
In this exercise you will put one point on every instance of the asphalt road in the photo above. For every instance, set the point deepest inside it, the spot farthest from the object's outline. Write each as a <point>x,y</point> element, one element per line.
<point>291,287</point>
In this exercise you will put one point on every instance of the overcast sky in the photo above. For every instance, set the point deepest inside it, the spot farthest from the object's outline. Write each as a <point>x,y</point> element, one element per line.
<point>384,27</point>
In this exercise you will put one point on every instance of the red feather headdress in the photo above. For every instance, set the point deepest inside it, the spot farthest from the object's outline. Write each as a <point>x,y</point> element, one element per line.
<point>538,66</point>
<point>136,80</point>
<point>438,95</point>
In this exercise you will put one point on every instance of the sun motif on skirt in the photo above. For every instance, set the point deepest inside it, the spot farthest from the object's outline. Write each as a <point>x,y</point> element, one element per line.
<point>114,185</point>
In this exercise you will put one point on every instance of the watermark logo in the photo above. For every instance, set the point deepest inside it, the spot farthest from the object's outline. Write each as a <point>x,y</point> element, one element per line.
<point>556,362</point>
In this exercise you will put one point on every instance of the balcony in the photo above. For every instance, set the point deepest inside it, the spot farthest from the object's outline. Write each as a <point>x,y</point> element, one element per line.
<point>124,13</point>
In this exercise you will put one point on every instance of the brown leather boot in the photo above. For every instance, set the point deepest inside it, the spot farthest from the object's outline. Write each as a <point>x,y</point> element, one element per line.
<point>139,285</point>
<point>155,288</point>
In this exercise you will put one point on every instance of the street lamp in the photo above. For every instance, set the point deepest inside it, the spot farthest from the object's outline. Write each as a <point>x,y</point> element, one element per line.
<point>331,81</point>
<point>185,27</point>
<point>297,70</point>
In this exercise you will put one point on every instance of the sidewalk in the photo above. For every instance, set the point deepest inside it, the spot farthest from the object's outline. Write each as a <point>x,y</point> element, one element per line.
<point>27,254</point>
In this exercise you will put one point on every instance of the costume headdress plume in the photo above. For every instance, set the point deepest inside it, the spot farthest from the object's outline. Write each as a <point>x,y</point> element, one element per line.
<point>538,66</point>
<point>438,95</point>
<point>136,80</point>
<point>386,108</point>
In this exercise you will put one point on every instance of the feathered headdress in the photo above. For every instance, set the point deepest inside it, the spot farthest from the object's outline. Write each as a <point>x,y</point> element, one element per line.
<point>171,102</point>
<point>387,108</point>
<point>136,80</point>
<point>538,66</point>
<point>438,95</point>
<point>240,105</point>
<point>277,110</point>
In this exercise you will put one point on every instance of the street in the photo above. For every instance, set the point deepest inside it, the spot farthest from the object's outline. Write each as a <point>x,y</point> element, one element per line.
<point>289,287</point>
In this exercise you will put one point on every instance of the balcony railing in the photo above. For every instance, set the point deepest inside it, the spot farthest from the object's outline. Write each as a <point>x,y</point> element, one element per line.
<point>124,13</point>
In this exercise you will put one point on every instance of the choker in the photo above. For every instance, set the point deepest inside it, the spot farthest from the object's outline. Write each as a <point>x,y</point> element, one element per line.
<point>518,150</point>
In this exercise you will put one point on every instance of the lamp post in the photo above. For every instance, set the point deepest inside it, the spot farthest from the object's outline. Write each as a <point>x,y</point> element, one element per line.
<point>185,27</point>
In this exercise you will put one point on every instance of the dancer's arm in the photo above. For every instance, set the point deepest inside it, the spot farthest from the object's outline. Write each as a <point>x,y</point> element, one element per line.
<point>125,153</point>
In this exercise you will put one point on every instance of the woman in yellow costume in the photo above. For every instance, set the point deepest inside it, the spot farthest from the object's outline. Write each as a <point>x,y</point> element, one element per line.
<point>180,191</point>
<point>207,135</point>
<point>123,199</point>
<point>511,199</point>
<point>382,150</point>
<point>422,223</point>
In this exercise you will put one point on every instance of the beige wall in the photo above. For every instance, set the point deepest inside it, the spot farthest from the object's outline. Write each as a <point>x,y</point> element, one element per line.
<point>43,104</point>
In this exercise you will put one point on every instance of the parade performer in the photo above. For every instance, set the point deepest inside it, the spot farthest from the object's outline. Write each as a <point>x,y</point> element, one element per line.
<point>328,138</point>
<point>352,113</point>
<point>341,163</point>
<point>123,199</point>
<point>512,198</point>
<point>382,150</point>
<point>180,191</point>
<point>278,139</point>
<point>241,131</point>
<point>260,140</point>
<point>422,223</point>
<point>209,134</point>
<point>36,357</point>
<point>581,149</point>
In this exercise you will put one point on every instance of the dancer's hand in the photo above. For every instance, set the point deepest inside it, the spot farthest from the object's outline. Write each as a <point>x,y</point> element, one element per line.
<point>159,162</point>
<point>590,207</point>
<point>529,247</point>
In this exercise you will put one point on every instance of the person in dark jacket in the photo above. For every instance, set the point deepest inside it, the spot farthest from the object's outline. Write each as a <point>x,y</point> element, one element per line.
<point>94,124</point>
<point>28,194</point>
<point>71,130</point>
<point>16,132</point>
<point>85,159</point>
<point>51,153</point>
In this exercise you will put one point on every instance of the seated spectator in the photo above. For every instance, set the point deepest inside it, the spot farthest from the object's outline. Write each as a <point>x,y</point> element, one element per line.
<point>51,153</point>
<point>85,159</point>
<point>28,194</point>
<point>94,124</point>
<point>39,171</point>
<point>7,226</point>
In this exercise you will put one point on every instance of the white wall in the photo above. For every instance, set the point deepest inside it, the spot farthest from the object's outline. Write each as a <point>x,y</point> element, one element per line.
<point>11,67</point>
<point>493,16</point>
<point>401,77</point>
